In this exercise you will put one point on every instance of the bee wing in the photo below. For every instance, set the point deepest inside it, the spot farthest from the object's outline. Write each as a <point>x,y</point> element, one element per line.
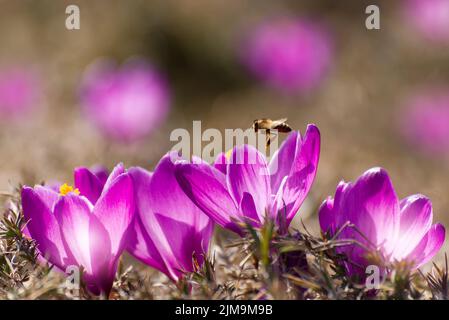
<point>276,123</point>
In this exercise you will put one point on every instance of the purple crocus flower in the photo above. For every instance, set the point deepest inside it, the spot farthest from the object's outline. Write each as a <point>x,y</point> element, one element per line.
<point>20,92</point>
<point>249,191</point>
<point>126,104</point>
<point>86,226</point>
<point>424,121</point>
<point>429,17</point>
<point>384,226</point>
<point>169,230</point>
<point>289,54</point>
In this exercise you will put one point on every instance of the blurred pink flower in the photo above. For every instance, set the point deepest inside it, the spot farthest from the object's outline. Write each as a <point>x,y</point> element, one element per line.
<point>429,17</point>
<point>424,121</point>
<point>125,104</point>
<point>291,55</point>
<point>19,92</point>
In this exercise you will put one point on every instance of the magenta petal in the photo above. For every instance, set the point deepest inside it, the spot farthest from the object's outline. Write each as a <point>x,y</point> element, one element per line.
<point>326,216</point>
<point>87,241</point>
<point>168,199</point>
<point>281,163</point>
<point>142,247</point>
<point>184,242</point>
<point>248,210</point>
<point>88,184</point>
<point>277,209</point>
<point>206,187</point>
<point>303,171</point>
<point>174,223</point>
<point>103,262</point>
<point>118,170</point>
<point>73,215</point>
<point>247,172</point>
<point>47,195</point>
<point>204,238</point>
<point>331,212</point>
<point>221,162</point>
<point>415,221</point>
<point>340,194</point>
<point>115,210</point>
<point>101,172</point>
<point>142,181</point>
<point>371,204</point>
<point>429,245</point>
<point>308,153</point>
<point>43,227</point>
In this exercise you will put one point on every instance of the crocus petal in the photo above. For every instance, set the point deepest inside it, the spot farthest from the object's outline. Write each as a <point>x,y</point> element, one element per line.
<point>43,227</point>
<point>142,247</point>
<point>326,216</point>
<point>47,195</point>
<point>182,238</point>
<point>88,184</point>
<point>340,195</point>
<point>303,171</point>
<point>247,172</point>
<point>180,220</point>
<point>281,162</point>
<point>220,162</point>
<point>278,210</point>
<point>142,180</point>
<point>202,244</point>
<point>415,221</point>
<point>118,170</point>
<point>115,210</point>
<point>249,210</point>
<point>87,242</point>
<point>73,215</point>
<point>101,172</point>
<point>331,212</point>
<point>206,187</point>
<point>372,205</point>
<point>167,197</point>
<point>103,263</point>
<point>429,245</point>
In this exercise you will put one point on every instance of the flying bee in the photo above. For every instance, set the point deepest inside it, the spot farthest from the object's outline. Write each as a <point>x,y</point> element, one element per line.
<point>267,125</point>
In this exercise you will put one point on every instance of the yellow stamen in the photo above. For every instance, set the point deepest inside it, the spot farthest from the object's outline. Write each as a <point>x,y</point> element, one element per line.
<point>228,154</point>
<point>66,189</point>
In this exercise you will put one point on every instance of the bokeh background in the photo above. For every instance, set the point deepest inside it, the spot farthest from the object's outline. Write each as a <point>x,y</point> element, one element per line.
<point>360,104</point>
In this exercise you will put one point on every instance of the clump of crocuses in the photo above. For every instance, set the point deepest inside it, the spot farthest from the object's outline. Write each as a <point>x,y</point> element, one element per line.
<point>385,229</point>
<point>165,218</point>
<point>125,103</point>
<point>246,189</point>
<point>170,233</point>
<point>287,53</point>
<point>86,226</point>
